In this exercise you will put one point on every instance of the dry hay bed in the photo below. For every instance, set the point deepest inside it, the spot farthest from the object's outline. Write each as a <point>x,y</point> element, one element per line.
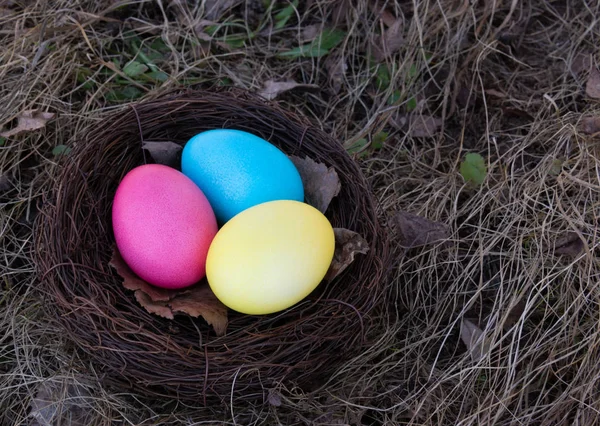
<point>496,316</point>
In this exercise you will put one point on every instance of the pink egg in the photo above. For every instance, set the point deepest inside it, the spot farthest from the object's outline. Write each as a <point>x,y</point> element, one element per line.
<point>163,226</point>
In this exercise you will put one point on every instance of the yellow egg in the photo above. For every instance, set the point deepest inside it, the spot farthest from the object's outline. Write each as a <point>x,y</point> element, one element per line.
<point>270,256</point>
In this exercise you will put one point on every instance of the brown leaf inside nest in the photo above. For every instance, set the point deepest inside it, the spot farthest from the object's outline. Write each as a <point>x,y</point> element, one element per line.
<point>196,301</point>
<point>159,308</point>
<point>132,282</point>
<point>347,245</point>
<point>28,121</point>
<point>201,301</point>
<point>321,184</point>
<point>416,231</point>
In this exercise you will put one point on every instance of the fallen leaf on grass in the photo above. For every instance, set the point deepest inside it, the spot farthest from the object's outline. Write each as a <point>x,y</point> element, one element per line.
<point>320,46</point>
<point>581,63</point>
<point>473,168</point>
<point>60,403</point>
<point>336,69</point>
<point>391,41</point>
<point>568,245</point>
<point>592,88</point>
<point>310,32</point>
<point>196,301</point>
<point>496,93</point>
<point>474,339</point>
<point>321,184</point>
<point>339,10</point>
<point>514,315</point>
<point>274,399</point>
<point>590,125</point>
<point>417,125</point>
<point>163,152</point>
<point>4,183</point>
<point>134,69</point>
<point>416,231</point>
<point>347,245</point>
<point>387,17</point>
<point>28,121</point>
<point>273,88</point>
<point>214,9</point>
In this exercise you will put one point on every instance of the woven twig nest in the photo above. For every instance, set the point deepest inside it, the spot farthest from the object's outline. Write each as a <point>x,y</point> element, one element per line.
<point>183,357</point>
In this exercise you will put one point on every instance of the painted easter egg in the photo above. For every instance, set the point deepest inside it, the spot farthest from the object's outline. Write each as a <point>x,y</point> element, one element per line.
<point>270,256</point>
<point>237,170</point>
<point>163,226</point>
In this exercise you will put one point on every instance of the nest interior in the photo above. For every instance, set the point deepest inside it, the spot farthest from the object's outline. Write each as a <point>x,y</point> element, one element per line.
<point>183,357</point>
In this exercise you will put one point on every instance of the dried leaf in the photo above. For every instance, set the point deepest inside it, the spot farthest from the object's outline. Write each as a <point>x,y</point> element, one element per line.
<point>159,308</point>
<point>321,184</point>
<point>196,301</point>
<point>201,301</point>
<point>387,17</point>
<point>4,183</point>
<point>339,11</point>
<point>568,245</point>
<point>417,125</point>
<point>214,9</point>
<point>28,121</point>
<point>59,403</point>
<point>424,126</point>
<point>310,32</point>
<point>474,339</point>
<point>336,69</point>
<point>514,315</point>
<point>590,125</point>
<point>163,152</point>
<point>496,93</point>
<point>273,88</point>
<point>391,41</point>
<point>592,88</point>
<point>581,63</point>
<point>416,231</point>
<point>132,282</point>
<point>274,399</point>
<point>347,245</point>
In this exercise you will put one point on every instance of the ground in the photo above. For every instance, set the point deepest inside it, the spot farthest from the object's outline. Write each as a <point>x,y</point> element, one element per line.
<point>480,116</point>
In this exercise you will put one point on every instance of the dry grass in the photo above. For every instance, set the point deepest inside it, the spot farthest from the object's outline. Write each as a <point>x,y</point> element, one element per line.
<point>497,73</point>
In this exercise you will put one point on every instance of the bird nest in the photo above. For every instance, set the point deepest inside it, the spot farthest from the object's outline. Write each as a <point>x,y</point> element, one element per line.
<point>183,357</point>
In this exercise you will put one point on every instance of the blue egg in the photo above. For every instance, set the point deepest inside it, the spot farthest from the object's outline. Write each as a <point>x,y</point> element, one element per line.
<point>237,170</point>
